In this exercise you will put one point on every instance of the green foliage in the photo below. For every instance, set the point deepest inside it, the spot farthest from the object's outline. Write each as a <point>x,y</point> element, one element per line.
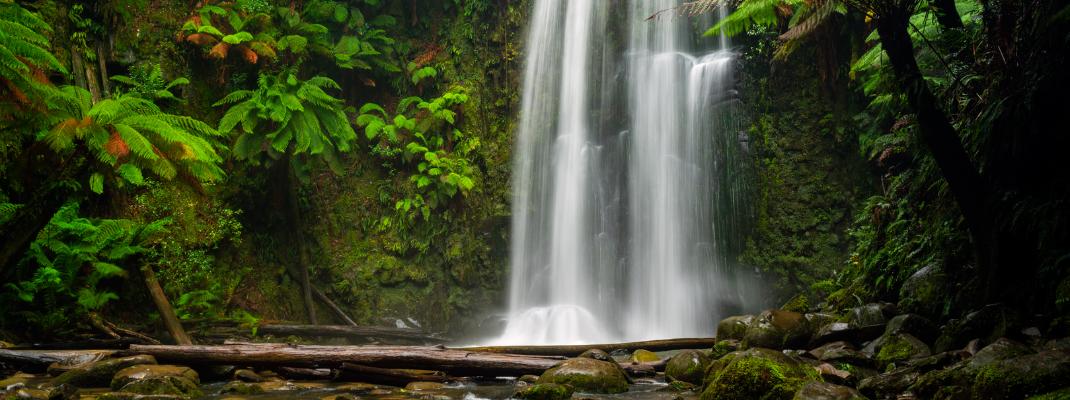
<point>128,135</point>
<point>68,266</point>
<point>353,41</point>
<point>24,55</point>
<point>287,116</point>
<point>424,134</point>
<point>147,81</point>
<point>222,30</point>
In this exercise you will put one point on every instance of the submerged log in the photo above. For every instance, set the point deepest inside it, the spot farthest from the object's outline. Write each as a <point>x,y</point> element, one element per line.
<point>575,350</point>
<point>347,331</point>
<point>451,361</point>
<point>384,376</point>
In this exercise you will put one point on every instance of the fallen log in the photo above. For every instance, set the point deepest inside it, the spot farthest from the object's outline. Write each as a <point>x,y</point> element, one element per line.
<point>383,376</point>
<point>450,361</point>
<point>575,350</point>
<point>39,360</point>
<point>347,331</point>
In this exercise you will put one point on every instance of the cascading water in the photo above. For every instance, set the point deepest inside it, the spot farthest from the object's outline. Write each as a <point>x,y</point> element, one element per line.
<point>628,194</point>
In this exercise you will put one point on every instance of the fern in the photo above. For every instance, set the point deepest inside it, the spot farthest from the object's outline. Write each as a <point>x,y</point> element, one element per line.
<point>24,55</point>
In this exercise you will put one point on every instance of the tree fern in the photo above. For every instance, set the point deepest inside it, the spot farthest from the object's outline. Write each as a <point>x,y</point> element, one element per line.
<point>287,116</point>
<point>127,134</point>
<point>24,54</point>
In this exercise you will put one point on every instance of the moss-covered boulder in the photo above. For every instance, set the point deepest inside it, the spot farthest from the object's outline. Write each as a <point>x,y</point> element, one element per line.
<point>888,385</point>
<point>135,396</point>
<point>827,391</point>
<point>733,328</point>
<point>687,366</point>
<point>757,374</point>
<point>644,356</point>
<point>240,388</point>
<point>870,314</point>
<point>989,323</point>
<point>1024,376</point>
<point>914,324</point>
<point>778,329</point>
<point>100,373</point>
<point>841,352</point>
<point>544,391</point>
<point>898,348</point>
<point>587,375</point>
<point>723,347</point>
<point>923,292</point>
<point>418,386</point>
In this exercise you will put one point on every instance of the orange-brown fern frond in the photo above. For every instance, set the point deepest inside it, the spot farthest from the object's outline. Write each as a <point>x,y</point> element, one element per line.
<point>219,51</point>
<point>249,55</point>
<point>116,146</point>
<point>201,39</point>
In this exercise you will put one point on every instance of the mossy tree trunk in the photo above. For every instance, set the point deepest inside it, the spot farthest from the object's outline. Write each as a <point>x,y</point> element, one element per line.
<point>293,216</point>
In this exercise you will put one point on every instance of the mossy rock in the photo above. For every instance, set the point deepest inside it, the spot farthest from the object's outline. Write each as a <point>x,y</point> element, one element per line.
<point>163,385</point>
<point>644,356</point>
<point>923,292</point>
<point>723,347</point>
<point>687,366</point>
<point>241,388</point>
<point>544,391</point>
<point>597,354</point>
<point>135,373</point>
<point>899,348</point>
<point>827,391</point>
<point>733,327</point>
<point>1023,376</point>
<point>135,396</point>
<point>1061,394</point>
<point>100,373</point>
<point>758,373</point>
<point>799,303</point>
<point>778,329</point>
<point>587,375</point>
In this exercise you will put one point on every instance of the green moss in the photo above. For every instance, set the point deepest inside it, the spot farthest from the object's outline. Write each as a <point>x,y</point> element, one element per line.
<point>688,366</point>
<point>1061,394</point>
<point>758,374</point>
<point>545,391</point>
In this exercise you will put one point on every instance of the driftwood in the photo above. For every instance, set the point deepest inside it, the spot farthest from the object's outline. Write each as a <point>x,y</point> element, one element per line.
<point>575,350</point>
<point>347,331</point>
<point>383,376</point>
<point>304,373</point>
<point>334,307</point>
<point>167,313</point>
<point>453,362</point>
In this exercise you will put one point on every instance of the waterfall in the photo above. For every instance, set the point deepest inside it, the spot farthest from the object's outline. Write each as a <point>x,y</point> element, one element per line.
<point>628,183</point>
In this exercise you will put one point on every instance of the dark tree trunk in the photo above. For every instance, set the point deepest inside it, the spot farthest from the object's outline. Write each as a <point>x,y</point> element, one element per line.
<point>294,223</point>
<point>968,188</point>
<point>946,14</point>
<point>167,313</point>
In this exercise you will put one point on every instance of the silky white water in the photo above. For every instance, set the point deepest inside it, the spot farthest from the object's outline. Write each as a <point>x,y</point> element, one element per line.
<point>628,182</point>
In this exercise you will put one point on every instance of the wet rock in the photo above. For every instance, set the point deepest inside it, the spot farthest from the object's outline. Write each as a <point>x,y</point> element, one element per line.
<point>756,373</point>
<point>816,320</point>
<point>834,375</point>
<point>870,314</point>
<point>687,366</point>
<point>1001,349</point>
<point>923,292</point>
<point>165,384</point>
<point>24,393</point>
<point>841,352</point>
<point>799,304</point>
<point>724,347</point>
<point>241,388</point>
<point>528,378</point>
<point>733,327</point>
<point>597,354</point>
<point>99,373</point>
<point>361,388</point>
<point>136,373</point>
<point>843,331</point>
<point>827,391</point>
<point>215,373</point>
<point>777,329</point>
<point>898,348</point>
<point>544,391</point>
<point>989,323</point>
<point>914,324</point>
<point>247,375</point>
<point>424,386</point>
<point>680,386</point>
<point>135,396</point>
<point>643,356</point>
<point>1023,376</point>
<point>587,375</point>
<point>15,381</point>
<point>888,385</point>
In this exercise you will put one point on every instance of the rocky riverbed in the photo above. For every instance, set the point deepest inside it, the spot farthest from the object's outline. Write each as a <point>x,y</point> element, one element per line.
<point>868,352</point>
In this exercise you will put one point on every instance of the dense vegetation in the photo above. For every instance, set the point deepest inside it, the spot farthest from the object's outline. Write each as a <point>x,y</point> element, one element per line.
<point>255,156</point>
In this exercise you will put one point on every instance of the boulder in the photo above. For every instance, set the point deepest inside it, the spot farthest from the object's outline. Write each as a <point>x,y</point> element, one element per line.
<point>923,292</point>
<point>687,366</point>
<point>723,347</point>
<point>643,356</point>
<point>843,331</point>
<point>897,349</point>
<point>733,327</point>
<point>888,385</point>
<point>1023,376</point>
<point>544,391</point>
<point>139,372</point>
<point>247,375</point>
<point>587,375</point>
<point>841,352</point>
<point>914,324</point>
<point>99,373</point>
<point>989,323</point>
<point>827,391</point>
<point>241,388</point>
<point>424,386</point>
<point>757,373</point>
<point>135,396</point>
<point>777,329</point>
<point>870,314</point>
<point>596,354</point>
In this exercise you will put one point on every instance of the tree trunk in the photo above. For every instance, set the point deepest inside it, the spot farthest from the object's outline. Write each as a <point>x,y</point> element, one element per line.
<point>575,350</point>
<point>334,307</point>
<point>946,14</point>
<point>39,360</point>
<point>104,82</point>
<point>347,331</point>
<point>170,320</point>
<point>967,186</point>
<point>294,208</point>
<point>453,362</point>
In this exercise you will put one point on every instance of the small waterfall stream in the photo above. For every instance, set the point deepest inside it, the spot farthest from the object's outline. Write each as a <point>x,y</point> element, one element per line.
<point>630,161</point>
